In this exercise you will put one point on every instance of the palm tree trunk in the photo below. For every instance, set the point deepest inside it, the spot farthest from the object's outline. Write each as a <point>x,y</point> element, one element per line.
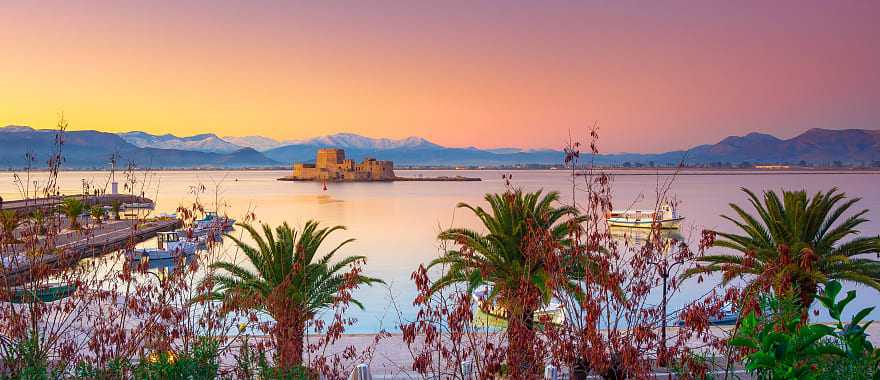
<point>289,336</point>
<point>520,356</point>
<point>807,290</point>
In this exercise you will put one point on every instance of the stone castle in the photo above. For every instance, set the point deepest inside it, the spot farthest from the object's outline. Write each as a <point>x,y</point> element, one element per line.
<point>331,165</point>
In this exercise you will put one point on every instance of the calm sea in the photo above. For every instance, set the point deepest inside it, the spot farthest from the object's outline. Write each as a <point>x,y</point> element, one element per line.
<point>396,224</point>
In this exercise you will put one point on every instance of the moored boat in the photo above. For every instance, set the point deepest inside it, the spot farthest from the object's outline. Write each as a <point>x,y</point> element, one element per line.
<point>169,246</point>
<point>200,236</point>
<point>727,317</point>
<point>666,217</point>
<point>139,205</point>
<point>212,221</point>
<point>44,293</point>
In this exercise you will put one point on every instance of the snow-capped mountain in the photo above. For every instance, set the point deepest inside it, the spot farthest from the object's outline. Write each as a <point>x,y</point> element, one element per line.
<point>355,141</point>
<point>207,142</point>
<point>210,142</point>
<point>260,143</point>
<point>16,129</point>
<point>92,150</point>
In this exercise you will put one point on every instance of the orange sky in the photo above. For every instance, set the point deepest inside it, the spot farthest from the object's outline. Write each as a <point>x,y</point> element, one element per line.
<point>487,74</point>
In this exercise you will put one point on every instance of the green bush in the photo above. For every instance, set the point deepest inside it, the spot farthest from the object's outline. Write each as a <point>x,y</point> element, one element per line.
<point>201,363</point>
<point>253,364</point>
<point>854,356</point>
<point>26,360</point>
<point>783,347</point>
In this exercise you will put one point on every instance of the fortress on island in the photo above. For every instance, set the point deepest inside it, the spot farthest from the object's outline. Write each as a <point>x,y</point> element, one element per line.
<point>331,165</point>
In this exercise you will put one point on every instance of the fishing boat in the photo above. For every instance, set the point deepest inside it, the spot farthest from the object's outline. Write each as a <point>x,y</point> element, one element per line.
<point>212,221</point>
<point>200,236</point>
<point>169,246</point>
<point>727,317</point>
<point>666,217</point>
<point>139,206</point>
<point>554,312</point>
<point>169,264</point>
<point>44,293</point>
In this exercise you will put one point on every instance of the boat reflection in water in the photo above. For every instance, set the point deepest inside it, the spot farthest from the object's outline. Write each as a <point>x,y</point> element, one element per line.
<point>169,264</point>
<point>634,236</point>
<point>495,316</point>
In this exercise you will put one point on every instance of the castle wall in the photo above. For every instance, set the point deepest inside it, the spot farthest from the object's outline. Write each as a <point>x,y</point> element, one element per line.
<point>331,165</point>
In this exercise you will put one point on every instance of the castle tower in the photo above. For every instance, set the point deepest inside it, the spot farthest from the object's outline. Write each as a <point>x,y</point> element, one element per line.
<point>329,158</point>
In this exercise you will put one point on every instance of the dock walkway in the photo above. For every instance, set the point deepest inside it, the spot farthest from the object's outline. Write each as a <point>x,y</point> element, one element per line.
<point>23,206</point>
<point>73,246</point>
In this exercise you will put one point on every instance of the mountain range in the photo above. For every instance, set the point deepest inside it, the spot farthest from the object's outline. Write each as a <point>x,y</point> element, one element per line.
<point>92,149</point>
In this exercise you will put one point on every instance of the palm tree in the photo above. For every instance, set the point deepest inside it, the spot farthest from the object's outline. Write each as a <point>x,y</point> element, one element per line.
<point>500,257</point>
<point>799,240</point>
<point>9,221</point>
<point>97,212</point>
<point>115,207</point>
<point>38,218</point>
<point>290,283</point>
<point>72,208</point>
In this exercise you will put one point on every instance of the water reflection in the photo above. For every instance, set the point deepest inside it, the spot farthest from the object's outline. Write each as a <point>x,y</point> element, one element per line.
<point>396,223</point>
<point>319,199</point>
<point>168,265</point>
<point>636,237</point>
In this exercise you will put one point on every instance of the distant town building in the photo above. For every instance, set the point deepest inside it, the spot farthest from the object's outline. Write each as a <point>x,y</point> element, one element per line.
<point>772,167</point>
<point>331,165</point>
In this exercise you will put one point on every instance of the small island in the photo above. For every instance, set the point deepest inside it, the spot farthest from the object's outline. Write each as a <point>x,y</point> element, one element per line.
<point>332,166</point>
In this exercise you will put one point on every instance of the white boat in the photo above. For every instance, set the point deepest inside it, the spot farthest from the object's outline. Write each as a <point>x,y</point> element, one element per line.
<point>169,246</point>
<point>139,205</point>
<point>213,221</point>
<point>666,217</point>
<point>727,317</point>
<point>200,236</point>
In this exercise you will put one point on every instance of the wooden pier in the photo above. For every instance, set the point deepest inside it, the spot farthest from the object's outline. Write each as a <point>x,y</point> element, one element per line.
<point>25,206</point>
<point>73,246</point>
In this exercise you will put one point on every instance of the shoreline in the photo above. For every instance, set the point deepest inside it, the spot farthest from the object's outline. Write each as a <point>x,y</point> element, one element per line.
<point>395,179</point>
<point>580,171</point>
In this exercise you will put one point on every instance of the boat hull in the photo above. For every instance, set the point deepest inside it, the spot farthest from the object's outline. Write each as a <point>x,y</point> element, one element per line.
<point>200,237</point>
<point>51,293</point>
<point>663,223</point>
<point>158,254</point>
<point>186,249</point>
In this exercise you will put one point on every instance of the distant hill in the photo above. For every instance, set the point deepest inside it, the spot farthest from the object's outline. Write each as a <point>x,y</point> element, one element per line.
<point>427,156</point>
<point>816,146</point>
<point>93,149</point>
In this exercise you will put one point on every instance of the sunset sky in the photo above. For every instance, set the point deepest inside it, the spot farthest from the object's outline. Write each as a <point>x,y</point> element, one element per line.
<point>656,76</point>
